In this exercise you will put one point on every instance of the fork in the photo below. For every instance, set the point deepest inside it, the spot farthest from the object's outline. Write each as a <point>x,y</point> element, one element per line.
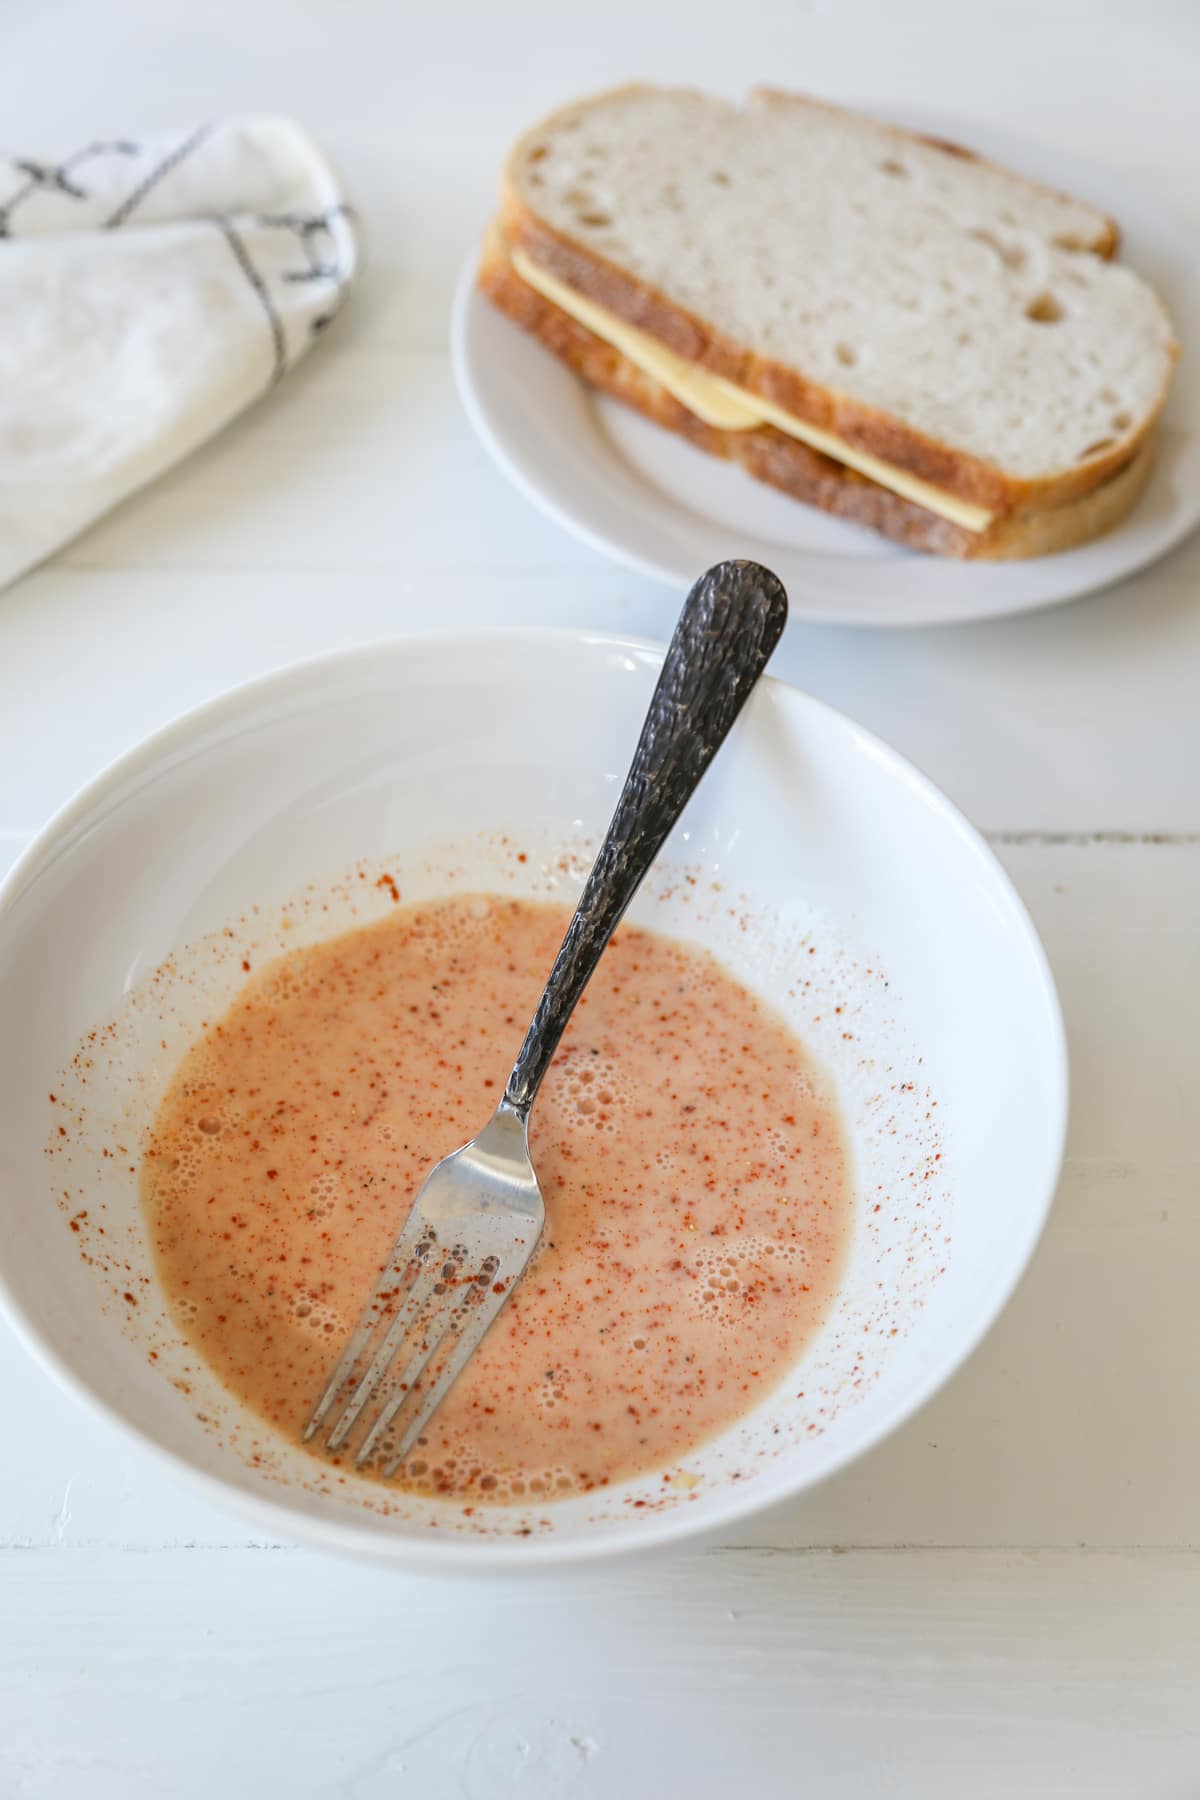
<point>477,1218</point>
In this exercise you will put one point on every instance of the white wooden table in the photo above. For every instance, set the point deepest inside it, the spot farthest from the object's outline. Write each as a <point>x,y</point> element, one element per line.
<point>1005,1599</point>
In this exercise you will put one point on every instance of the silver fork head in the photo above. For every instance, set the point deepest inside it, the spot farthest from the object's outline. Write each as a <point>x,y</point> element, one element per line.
<point>473,1227</point>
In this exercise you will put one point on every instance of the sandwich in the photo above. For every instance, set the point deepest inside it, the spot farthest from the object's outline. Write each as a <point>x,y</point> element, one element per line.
<point>879,324</point>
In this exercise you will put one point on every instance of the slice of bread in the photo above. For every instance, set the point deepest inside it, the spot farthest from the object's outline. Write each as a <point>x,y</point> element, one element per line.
<point>805,474</point>
<point>928,308</point>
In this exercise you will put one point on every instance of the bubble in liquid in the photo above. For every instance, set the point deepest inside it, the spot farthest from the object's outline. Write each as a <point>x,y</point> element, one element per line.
<point>591,1089</point>
<point>806,1085</point>
<point>200,1079</point>
<point>456,1479</point>
<point>312,1313</point>
<point>731,1272</point>
<point>184,1167</point>
<point>322,1194</point>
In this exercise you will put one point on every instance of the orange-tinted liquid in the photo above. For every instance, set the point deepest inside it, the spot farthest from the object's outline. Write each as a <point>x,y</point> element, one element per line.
<point>690,1154</point>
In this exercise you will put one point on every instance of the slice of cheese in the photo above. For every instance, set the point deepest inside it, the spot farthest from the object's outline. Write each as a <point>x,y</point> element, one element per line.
<point>730,408</point>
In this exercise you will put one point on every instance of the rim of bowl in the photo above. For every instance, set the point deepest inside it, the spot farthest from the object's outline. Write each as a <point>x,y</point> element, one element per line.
<point>513,1555</point>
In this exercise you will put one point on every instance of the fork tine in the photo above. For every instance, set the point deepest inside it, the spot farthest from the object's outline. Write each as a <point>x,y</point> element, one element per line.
<point>408,1381</point>
<point>415,1302</point>
<point>403,1251</point>
<point>460,1354</point>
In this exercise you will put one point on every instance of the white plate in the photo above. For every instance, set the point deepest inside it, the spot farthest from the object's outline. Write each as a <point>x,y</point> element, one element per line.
<point>826,873</point>
<point>660,506</point>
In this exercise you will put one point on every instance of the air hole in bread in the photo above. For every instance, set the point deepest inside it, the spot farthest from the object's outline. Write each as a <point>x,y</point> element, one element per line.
<point>538,152</point>
<point>1095,449</point>
<point>1045,309</point>
<point>719,178</point>
<point>1007,218</point>
<point>964,337</point>
<point>1011,255</point>
<point>891,167</point>
<point>1122,421</point>
<point>846,354</point>
<point>1069,240</point>
<point>585,209</point>
<point>1109,395</point>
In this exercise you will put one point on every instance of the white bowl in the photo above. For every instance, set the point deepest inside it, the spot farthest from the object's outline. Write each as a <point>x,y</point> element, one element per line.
<point>830,874</point>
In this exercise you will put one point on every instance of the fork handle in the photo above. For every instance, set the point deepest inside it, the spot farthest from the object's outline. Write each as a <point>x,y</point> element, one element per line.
<point>731,622</point>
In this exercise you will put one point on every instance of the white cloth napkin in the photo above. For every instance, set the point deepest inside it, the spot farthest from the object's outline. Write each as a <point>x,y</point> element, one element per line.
<point>150,288</point>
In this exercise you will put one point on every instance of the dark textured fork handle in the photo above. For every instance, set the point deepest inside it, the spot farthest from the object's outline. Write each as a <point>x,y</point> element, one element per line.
<point>730,623</point>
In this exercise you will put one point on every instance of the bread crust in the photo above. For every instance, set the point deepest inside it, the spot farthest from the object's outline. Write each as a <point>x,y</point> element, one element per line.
<point>785,463</point>
<point>865,428</point>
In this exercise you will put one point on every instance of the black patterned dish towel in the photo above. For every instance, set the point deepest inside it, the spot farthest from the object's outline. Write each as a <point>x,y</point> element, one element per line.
<point>150,288</point>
